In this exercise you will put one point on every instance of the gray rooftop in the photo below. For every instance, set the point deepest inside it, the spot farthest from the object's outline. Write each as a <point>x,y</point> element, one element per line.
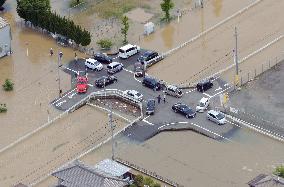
<point>263,180</point>
<point>3,23</point>
<point>112,167</point>
<point>78,174</point>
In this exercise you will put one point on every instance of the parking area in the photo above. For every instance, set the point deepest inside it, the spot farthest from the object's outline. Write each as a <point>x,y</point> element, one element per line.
<point>164,115</point>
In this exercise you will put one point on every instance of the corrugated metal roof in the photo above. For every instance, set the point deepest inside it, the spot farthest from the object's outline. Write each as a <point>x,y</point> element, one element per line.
<point>112,167</point>
<point>81,175</point>
<point>3,22</point>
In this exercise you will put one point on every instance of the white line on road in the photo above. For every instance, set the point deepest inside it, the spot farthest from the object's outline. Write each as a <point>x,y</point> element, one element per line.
<point>128,70</point>
<point>183,122</point>
<point>146,117</point>
<point>207,95</point>
<point>148,122</point>
<point>60,103</point>
<point>63,96</point>
<point>190,91</point>
<point>221,92</point>
<point>218,89</point>
<point>71,96</point>
<point>136,78</point>
<point>91,85</point>
<point>233,123</point>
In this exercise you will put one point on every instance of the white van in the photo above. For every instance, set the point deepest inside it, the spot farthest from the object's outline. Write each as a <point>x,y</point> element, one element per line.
<point>114,67</point>
<point>93,64</point>
<point>173,91</point>
<point>128,50</point>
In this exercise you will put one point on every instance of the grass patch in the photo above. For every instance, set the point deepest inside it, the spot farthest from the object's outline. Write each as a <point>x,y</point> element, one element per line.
<point>3,108</point>
<point>114,8</point>
<point>74,3</point>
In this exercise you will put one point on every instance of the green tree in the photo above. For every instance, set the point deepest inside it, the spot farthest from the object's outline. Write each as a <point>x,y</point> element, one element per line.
<point>125,28</point>
<point>8,85</point>
<point>1,4</point>
<point>3,108</point>
<point>279,171</point>
<point>166,6</point>
<point>138,181</point>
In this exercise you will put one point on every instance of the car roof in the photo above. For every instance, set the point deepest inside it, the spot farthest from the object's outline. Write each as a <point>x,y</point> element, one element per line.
<point>214,112</point>
<point>172,87</point>
<point>126,47</point>
<point>114,63</point>
<point>203,99</point>
<point>91,60</point>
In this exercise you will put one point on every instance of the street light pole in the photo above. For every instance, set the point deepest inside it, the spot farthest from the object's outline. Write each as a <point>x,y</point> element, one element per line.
<point>60,54</point>
<point>111,126</point>
<point>236,58</point>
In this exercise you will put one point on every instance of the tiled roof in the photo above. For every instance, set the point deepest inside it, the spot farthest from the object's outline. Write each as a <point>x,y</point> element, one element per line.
<point>81,175</point>
<point>3,23</point>
<point>263,180</point>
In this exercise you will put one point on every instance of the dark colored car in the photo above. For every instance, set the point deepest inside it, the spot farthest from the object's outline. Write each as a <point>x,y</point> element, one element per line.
<point>105,80</point>
<point>204,85</point>
<point>147,56</point>
<point>103,58</point>
<point>151,83</point>
<point>138,72</point>
<point>184,110</point>
<point>150,109</point>
<point>63,41</point>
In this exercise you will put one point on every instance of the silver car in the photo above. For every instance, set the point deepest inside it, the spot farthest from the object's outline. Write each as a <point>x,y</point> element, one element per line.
<point>216,117</point>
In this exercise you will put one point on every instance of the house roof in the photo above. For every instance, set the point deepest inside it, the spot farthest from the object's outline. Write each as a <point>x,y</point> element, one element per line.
<point>78,174</point>
<point>112,167</point>
<point>20,185</point>
<point>3,23</point>
<point>263,180</point>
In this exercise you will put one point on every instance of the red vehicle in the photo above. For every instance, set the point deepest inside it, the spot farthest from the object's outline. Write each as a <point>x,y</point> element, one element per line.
<point>82,84</point>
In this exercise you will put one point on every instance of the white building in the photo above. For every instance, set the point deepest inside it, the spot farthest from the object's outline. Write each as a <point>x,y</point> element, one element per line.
<point>5,38</point>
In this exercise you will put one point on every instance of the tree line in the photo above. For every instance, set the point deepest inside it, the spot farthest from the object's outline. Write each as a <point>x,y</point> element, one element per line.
<point>39,13</point>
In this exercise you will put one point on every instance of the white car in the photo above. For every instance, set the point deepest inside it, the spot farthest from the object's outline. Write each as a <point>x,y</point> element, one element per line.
<point>216,117</point>
<point>93,64</point>
<point>128,50</point>
<point>134,94</point>
<point>202,105</point>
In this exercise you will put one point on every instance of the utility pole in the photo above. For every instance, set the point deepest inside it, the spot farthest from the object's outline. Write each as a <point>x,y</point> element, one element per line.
<point>111,126</point>
<point>60,54</point>
<point>236,58</point>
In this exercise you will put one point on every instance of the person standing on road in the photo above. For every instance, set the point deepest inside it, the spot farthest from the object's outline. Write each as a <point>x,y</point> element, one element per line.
<point>51,51</point>
<point>76,57</point>
<point>159,99</point>
<point>164,98</point>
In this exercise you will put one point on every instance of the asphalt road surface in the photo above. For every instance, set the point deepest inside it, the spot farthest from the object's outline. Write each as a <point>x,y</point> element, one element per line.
<point>149,126</point>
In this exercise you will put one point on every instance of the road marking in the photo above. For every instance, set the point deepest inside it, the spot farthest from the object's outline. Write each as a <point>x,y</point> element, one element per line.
<point>183,122</point>
<point>233,123</point>
<point>148,122</point>
<point>191,91</point>
<point>207,95</point>
<point>91,85</point>
<point>77,72</point>
<point>221,92</point>
<point>63,96</point>
<point>146,117</point>
<point>227,84</point>
<point>218,89</point>
<point>136,78</point>
<point>70,96</point>
<point>60,103</point>
<point>129,71</point>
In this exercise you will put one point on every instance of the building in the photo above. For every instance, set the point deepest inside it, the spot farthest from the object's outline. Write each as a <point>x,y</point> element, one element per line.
<point>78,174</point>
<point>263,180</point>
<point>5,38</point>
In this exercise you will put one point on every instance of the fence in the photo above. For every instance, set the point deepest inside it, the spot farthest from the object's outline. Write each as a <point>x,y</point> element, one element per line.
<point>147,172</point>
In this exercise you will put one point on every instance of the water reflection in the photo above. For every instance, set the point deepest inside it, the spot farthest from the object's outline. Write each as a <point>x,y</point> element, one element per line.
<point>167,35</point>
<point>217,4</point>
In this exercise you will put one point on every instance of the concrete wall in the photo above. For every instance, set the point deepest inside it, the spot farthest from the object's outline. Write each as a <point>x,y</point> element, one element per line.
<point>5,41</point>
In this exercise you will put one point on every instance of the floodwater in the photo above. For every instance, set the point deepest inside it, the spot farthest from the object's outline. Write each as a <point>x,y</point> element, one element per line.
<point>222,163</point>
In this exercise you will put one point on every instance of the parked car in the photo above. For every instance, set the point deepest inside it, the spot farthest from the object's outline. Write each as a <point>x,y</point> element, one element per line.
<point>93,64</point>
<point>103,58</point>
<point>134,94</point>
<point>184,110</point>
<point>173,91</point>
<point>114,67</point>
<point>82,84</point>
<point>63,41</point>
<point>105,80</point>
<point>147,56</point>
<point>138,71</point>
<point>150,109</point>
<point>216,117</point>
<point>202,105</point>
<point>151,83</point>
<point>128,50</point>
<point>204,85</point>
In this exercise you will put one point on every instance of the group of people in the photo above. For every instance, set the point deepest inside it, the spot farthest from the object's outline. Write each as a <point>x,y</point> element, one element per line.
<point>160,98</point>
